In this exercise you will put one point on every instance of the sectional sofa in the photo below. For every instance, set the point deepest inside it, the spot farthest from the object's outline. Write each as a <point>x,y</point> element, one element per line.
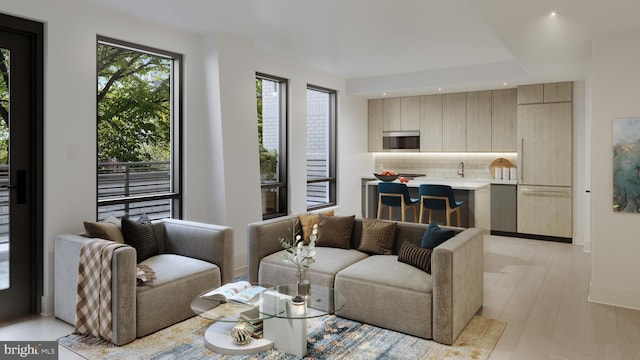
<point>379,289</point>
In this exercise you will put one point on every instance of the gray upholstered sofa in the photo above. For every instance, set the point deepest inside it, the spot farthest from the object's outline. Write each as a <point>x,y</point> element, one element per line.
<point>193,257</point>
<point>380,290</point>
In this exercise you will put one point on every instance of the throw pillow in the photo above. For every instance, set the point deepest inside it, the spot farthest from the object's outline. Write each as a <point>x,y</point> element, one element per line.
<point>107,229</point>
<point>335,231</point>
<point>435,236</point>
<point>377,236</point>
<point>415,256</point>
<point>141,236</point>
<point>307,221</point>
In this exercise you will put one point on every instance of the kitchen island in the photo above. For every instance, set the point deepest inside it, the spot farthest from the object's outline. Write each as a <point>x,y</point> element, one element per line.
<point>476,194</point>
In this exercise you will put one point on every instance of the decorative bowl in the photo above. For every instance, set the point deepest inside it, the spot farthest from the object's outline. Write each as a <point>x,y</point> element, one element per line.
<point>386,177</point>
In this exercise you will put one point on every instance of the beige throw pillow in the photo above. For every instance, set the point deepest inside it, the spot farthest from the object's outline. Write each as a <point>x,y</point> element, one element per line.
<point>377,236</point>
<point>104,230</point>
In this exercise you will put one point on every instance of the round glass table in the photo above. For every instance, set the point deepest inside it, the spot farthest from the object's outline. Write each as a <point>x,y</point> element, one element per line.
<point>282,312</point>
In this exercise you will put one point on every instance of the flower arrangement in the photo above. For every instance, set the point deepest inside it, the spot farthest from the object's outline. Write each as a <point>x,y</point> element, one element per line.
<point>299,254</point>
<point>302,256</point>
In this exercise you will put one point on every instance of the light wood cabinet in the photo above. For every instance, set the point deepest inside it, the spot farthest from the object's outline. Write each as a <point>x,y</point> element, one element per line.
<point>545,133</point>
<point>375,125</point>
<point>454,122</point>
<point>431,123</point>
<point>558,92</point>
<point>410,113</point>
<point>504,120</point>
<point>391,110</point>
<point>478,121</point>
<point>530,94</point>
<point>545,210</point>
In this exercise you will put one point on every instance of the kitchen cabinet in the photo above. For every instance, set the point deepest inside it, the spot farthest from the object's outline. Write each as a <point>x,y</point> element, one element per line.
<point>391,110</point>
<point>478,128</point>
<point>504,206</point>
<point>454,122</point>
<point>410,113</point>
<point>558,92</point>
<point>545,133</point>
<point>375,125</point>
<point>530,94</point>
<point>431,122</point>
<point>545,210</point>
<point>504,120</point>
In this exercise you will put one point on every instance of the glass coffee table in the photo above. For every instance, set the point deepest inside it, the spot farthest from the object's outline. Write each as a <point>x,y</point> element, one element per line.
<point>284,318</point>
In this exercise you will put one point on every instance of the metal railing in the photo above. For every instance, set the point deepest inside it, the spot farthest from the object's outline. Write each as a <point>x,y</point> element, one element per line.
<point>148,183</point>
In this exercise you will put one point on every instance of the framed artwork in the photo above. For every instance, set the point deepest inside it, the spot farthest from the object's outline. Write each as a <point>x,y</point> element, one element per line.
<point>626,165</point>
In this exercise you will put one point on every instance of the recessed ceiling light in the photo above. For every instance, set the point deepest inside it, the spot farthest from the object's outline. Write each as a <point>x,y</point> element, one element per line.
<point>504,83</point>
<point>553,13</point>
<point>384,94</point>
<point>439,89</point>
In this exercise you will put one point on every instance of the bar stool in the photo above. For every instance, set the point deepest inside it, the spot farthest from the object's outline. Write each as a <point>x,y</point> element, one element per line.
<point>439,197</point>
<point>396,195</point>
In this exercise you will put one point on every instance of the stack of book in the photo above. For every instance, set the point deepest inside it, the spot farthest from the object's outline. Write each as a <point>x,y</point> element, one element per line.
<point>252,317</point>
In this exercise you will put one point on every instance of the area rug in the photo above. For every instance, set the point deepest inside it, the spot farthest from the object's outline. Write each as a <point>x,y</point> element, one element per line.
<point>330,337</point>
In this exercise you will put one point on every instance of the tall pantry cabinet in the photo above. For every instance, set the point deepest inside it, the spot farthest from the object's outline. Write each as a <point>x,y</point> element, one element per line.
<point>545,159</point>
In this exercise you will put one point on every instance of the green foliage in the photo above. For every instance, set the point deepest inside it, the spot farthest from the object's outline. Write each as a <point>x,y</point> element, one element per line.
<point>134,105</point>
<point>4,106</point>
<point>268,158</point>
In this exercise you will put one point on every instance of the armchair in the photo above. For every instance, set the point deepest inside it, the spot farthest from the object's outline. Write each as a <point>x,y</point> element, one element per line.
<point>193,257</point>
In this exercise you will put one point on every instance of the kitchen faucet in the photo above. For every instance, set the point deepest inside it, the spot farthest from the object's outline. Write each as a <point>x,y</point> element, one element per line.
<point>461,169</point>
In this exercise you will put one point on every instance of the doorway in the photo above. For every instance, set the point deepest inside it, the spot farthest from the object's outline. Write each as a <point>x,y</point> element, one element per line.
<point>21,141</point>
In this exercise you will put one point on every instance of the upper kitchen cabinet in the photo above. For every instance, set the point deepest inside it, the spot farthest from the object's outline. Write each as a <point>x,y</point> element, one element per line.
<point>478,121</point>
<point>454,122</point>
<point>391,110</point>
<point>431,123</point>
<point>544,154</point>
<point>375,125</point>
<point>558,92</point>
<point>530,94</point>
<point>504,120</point>
<point>409,113</point>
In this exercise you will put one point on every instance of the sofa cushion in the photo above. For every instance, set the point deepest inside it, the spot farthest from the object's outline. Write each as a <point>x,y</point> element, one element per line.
<point>377,236</point>
<point>415,256</point>
<point>335,231</point>
<point>179,279</point>
<point>435,236</point>
<point>308,220</point>
<point>384,292</point>
<point>141,236</point>
<point>328,262</point>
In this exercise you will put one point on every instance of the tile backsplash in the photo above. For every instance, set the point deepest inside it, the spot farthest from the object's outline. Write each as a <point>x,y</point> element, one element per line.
<point>434,165</point>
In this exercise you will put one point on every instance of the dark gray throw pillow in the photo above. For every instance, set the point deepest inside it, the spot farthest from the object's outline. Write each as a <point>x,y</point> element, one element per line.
<point>140,235</point>
<point>415,256</point>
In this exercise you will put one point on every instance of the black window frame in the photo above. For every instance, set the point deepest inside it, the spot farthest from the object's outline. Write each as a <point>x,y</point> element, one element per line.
<point>176,162</point>
<point>332,179</point>
<point>283,155</point>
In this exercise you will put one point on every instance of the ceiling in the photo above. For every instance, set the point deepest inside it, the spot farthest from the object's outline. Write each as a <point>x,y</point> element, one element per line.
<point>408,47</point>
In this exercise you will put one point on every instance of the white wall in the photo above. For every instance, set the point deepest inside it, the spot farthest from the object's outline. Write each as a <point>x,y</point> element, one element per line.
<point>615,245</point>
<point>221,175</point>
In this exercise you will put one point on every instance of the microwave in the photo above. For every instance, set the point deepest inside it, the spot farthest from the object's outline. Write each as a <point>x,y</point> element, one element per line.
<point>401,140</point>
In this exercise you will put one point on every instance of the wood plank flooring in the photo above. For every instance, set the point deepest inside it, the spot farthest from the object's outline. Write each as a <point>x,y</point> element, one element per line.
<point>539,288</point>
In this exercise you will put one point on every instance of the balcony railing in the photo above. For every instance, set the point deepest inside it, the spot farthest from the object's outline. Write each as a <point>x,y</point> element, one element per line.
<point>146,182</point>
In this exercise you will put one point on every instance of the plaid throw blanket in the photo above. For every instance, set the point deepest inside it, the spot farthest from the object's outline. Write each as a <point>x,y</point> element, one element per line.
<point>93,304</point>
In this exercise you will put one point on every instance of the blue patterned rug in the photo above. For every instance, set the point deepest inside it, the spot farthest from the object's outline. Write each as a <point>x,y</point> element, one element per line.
<point>330,337</point>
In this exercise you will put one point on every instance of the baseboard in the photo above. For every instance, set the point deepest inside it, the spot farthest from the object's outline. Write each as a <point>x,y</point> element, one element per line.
<point>532,236</point>
<point>606,295</point>
<point>240,271</point>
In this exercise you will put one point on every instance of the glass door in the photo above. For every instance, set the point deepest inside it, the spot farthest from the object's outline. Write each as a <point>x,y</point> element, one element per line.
<point>20,166</point>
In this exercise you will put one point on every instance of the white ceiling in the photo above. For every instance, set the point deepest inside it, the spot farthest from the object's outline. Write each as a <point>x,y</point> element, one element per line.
<point>406,47</point>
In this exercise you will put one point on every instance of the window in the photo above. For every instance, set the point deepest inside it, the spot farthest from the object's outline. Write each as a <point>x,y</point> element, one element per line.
<point>138,131</point>
<point>271,95</point>
<point>321,147</point>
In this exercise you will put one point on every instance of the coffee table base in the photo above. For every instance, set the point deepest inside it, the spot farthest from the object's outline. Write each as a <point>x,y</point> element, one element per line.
<point>218,338</point>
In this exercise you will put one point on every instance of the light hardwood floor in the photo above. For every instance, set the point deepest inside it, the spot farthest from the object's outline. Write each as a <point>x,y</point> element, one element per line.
<point>539,288</point>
